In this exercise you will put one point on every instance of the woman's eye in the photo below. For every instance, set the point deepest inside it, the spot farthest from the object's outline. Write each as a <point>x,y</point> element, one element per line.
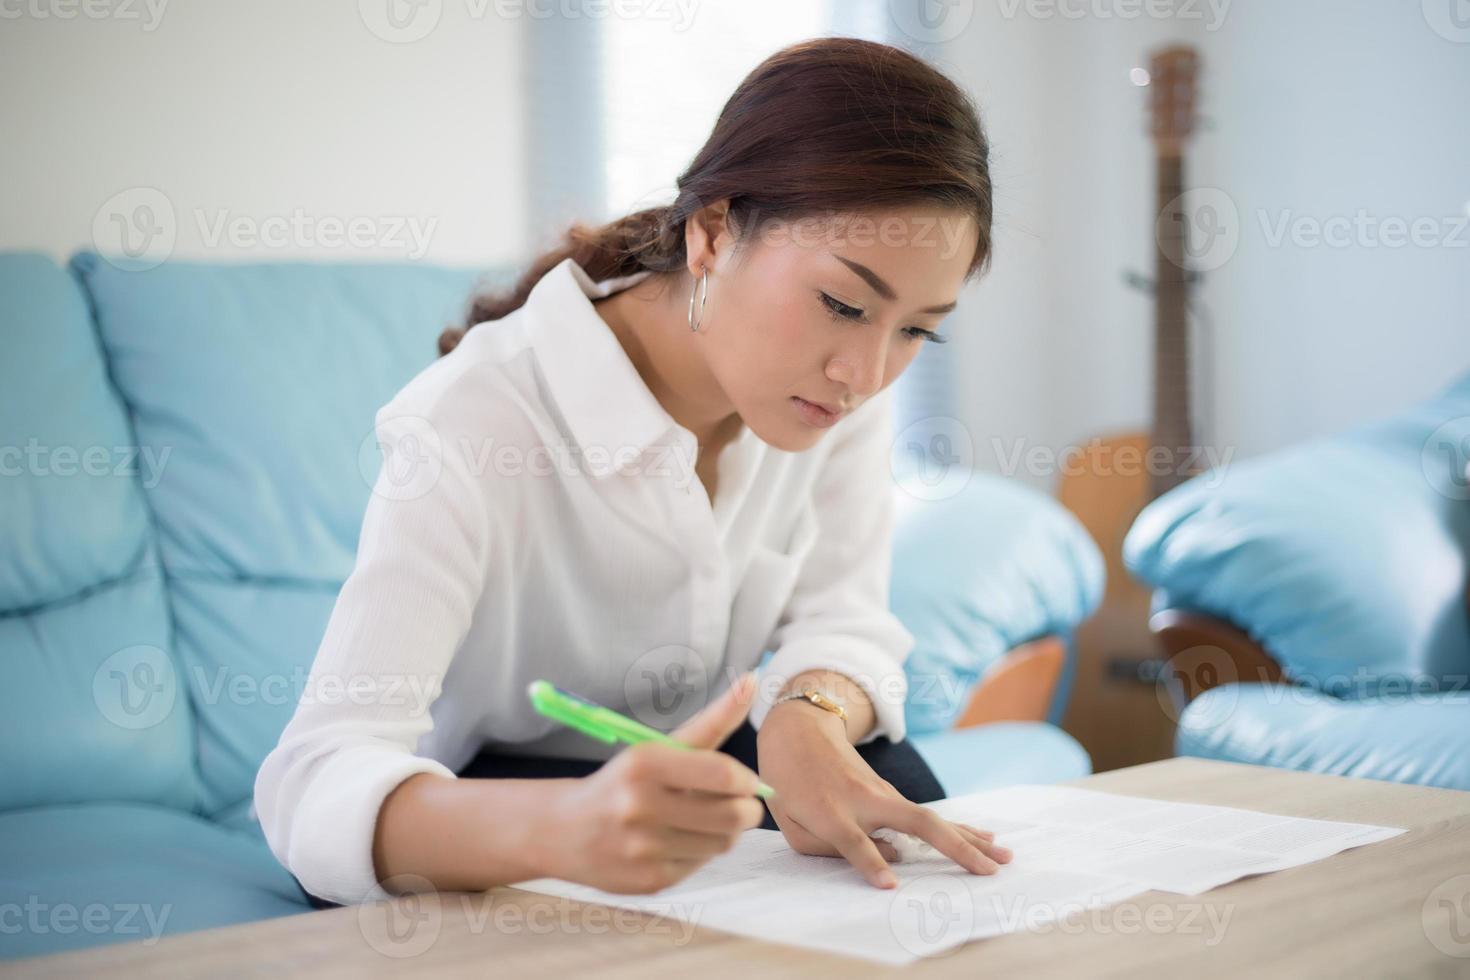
<point>841,309</point>
<point>919,333</point>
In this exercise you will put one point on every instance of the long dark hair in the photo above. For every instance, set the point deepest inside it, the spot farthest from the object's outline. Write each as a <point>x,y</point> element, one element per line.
<point>830,125</point>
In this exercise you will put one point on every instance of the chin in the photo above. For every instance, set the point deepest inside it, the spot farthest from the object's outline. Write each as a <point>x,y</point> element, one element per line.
<point>788,438</point>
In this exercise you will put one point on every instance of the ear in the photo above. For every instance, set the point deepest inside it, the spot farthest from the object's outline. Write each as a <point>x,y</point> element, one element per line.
<point>707,236</point>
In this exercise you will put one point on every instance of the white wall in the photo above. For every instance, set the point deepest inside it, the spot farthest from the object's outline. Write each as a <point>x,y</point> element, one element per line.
<point>1316,107</point>
<point>257,112</point>
<point>253,111</point>
<point>1323,110</point>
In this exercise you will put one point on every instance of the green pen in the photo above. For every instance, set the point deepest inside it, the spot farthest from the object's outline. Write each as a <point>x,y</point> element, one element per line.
<point>603,724</point>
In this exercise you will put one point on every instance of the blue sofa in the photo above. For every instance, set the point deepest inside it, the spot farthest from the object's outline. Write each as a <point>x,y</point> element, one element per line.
<point>1314,601</point>
<point>187,453</point>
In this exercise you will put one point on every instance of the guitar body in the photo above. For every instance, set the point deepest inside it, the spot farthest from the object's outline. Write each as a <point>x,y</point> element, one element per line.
<point>1113,712</point>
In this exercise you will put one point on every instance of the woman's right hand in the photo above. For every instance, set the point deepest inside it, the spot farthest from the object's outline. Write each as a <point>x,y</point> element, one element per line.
<point>652,814</point>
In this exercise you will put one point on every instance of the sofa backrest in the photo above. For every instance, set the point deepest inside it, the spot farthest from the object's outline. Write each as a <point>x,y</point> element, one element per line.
<point>254,387</point>
<point>92,707</point>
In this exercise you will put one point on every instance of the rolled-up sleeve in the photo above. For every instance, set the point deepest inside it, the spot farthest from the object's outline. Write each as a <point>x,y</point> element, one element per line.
<point>398,620</point>
<point>838,618</point>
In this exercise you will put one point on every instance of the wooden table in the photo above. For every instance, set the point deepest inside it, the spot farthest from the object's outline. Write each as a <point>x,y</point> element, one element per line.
<point>1399,908</point>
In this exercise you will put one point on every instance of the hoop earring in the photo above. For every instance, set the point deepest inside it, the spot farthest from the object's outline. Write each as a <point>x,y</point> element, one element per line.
<point>703,287</point>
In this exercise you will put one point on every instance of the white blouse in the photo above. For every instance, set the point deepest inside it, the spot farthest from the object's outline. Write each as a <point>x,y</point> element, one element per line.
<point>538,515</point>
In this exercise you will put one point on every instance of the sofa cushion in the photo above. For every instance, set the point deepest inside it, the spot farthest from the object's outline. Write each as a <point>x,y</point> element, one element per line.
<point>1345,557</point>
<point>1002,753</point>
<point>98,873</point>
<point>90,703</point>
<point>1403,736</point>
<point>261,381</point>
<point>977,572</point>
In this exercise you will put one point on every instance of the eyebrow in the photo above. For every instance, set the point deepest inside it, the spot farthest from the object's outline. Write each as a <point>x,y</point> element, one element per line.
<point>883,289</point>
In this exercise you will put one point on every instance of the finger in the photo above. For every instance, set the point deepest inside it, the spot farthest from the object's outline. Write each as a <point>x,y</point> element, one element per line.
<point>925,824</point>
<point>995,851</point>
<point>806,842</point>
<point>862,853</point>
<point>717,720</point>
<point>672,871</point>
<point>688,845</point>
<point>708,813</point>
<point>890,854</point>
<point>705,770</point>
<point>987,834</point>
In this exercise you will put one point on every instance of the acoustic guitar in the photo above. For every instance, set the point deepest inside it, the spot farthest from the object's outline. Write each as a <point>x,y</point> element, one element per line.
<point>1115,710</point>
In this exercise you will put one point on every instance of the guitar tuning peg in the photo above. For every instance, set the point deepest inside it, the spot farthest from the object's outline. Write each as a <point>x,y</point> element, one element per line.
<point>1138,281</point>
<point>1144,284</point>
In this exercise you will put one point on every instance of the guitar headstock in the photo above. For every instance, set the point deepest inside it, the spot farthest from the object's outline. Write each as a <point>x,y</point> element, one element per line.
<point>1172,91</point>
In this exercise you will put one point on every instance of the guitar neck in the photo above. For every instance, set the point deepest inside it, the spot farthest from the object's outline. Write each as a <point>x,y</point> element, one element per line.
<point>1173,425</point>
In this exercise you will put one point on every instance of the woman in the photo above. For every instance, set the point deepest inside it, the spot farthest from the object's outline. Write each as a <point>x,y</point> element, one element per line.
<point>668,455</point>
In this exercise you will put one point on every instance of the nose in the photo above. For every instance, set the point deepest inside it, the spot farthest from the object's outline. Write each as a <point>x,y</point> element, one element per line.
<point>860,365</point>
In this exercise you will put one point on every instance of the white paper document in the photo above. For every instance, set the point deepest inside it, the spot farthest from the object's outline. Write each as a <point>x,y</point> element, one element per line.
<point>1074,849</point>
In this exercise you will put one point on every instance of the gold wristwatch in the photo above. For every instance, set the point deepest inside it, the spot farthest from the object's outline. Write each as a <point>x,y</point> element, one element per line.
<point>819,698</point>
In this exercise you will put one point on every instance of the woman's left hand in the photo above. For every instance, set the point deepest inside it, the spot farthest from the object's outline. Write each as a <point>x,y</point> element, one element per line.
<point>828,800</point>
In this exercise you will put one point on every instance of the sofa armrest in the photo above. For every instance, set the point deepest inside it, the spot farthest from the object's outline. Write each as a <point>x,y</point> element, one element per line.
<point>1203,652</point>
<point>978,573</point>
<point>1021,686</point>
<point>1344,558</point>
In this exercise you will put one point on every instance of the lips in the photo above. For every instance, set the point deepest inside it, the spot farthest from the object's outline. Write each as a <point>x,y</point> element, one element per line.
<point>818,414</point>
<point>834,409</point>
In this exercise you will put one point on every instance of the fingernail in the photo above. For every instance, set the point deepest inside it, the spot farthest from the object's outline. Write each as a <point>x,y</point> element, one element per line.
<point>886,879</point>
